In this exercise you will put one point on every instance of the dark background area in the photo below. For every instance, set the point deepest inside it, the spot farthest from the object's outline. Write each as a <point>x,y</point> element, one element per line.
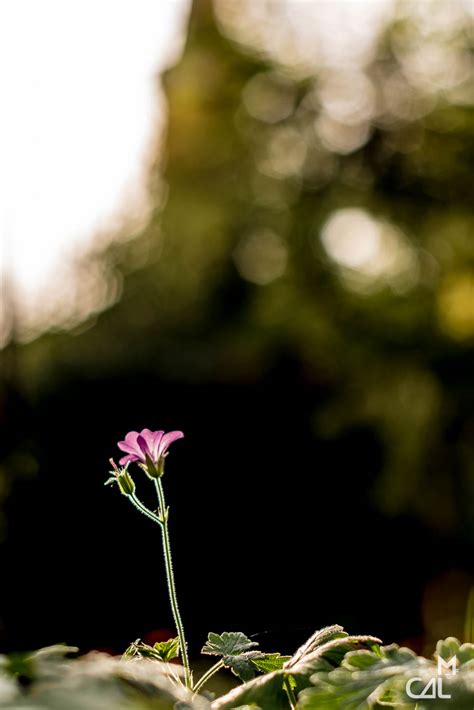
<point>271,532</point>
<point>327,470</point>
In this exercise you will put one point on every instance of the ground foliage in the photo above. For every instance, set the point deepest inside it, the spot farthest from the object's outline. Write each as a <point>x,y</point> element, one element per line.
<point>332,671</point>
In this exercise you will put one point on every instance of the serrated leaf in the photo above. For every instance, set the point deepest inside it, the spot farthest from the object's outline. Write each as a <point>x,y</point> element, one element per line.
<point>360,660</point>
<point>243,665</point>
<point>330,654</point>
<point>247,664</point>
<point>366,679</point>
<point>269,662</point>
<point>163,651</point>
<point>319,638</point>
<point>324,650</point>
<point>230,643</point>
<point>167,650</point>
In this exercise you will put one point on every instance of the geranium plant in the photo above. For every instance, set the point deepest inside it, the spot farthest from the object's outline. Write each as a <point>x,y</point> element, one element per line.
<point>332,670</point>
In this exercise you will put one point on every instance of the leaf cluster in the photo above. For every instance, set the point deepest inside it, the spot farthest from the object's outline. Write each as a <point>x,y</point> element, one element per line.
<point>331,671</point>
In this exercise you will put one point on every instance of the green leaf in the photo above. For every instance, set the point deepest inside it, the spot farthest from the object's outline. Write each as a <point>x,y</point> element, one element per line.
<point>447,648</point>
<point>318,639</point>
<point>268,662</point>
<point>247,664</point>
<point>163,651</point>
<point>18,664</point>
<point>131,650</point>
<point>31,665</point>
<point>266,692</point>
<point>323,651</point>
<point>167,650</point>
<point>230,643</point>
<point>234,648</point>
<point>243,665</point>
<point>329,655</point>
<point>96,680</point>
<point>369,679</point>
<point>349,687</point>
<point>465,653</point>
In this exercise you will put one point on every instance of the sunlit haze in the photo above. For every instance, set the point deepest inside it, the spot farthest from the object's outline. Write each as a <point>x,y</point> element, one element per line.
<point>82,112</point>
<point>80,107</point>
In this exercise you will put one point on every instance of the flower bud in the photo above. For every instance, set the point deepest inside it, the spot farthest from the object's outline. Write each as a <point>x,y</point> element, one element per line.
<point>125,483</point>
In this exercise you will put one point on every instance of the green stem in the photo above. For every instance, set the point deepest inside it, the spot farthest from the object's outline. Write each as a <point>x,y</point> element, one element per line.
<point>171,583</point>
<point>290,692</point>
<point>208,674</point>
<point>139,506</point>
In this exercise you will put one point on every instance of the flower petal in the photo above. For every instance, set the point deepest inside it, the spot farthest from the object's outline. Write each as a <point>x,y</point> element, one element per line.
<point>168,439</point>
<point>144,451</point>
<point>131,438</point>
<point>152,439</point>
<point>147,435</point>
<point>157,436</point>
<point>129,445</point>
<point>125,447</point>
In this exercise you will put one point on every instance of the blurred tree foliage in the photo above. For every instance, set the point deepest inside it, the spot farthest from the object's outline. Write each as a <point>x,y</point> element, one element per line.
<point>321,216</point>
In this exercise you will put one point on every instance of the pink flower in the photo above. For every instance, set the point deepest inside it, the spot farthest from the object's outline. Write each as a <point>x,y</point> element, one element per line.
<point>147,446</point>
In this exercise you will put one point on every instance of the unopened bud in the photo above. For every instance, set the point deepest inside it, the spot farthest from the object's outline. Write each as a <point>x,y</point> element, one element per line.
<point>125,483</point>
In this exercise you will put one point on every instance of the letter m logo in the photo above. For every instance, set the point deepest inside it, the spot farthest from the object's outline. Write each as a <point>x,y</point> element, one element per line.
<point>450,665</point>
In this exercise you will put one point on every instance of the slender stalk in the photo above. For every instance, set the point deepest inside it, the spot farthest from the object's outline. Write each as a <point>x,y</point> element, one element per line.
<point>208,674</point>
<point>139,506</point>
<point>171,584</point>
<point>290,692</point>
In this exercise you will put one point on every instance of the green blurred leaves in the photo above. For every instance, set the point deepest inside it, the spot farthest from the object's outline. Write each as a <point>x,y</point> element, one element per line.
<point>94,682</point>
<point>368,679</point>
<point>331,671</point>
<point>362,680</point>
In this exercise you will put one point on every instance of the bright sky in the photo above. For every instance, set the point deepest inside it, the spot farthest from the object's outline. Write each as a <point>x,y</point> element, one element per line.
<point>79,105</point>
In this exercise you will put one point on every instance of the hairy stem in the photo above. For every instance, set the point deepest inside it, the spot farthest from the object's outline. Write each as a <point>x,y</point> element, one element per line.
<point>139,506</point>
<point>171,584</point>
<point>290,692</point>
<point>208,674</point>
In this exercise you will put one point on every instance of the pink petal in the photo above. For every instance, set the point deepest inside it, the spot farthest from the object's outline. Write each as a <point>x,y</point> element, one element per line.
<point>143,447</point>
<point>168,439</point>
<point>152,439</point>
<point>125,447</point>
<point>129,445</point>
<point>147,435</point>
<point>131,438</point>
<point>157,436</point>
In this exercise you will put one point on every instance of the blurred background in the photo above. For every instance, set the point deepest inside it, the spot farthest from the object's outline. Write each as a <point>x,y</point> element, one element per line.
<point>252,222</point>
